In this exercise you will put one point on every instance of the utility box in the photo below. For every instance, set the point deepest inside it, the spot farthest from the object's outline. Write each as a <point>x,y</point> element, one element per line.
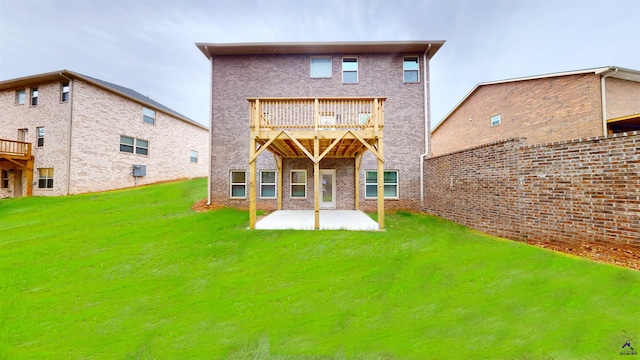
<point>139,170</point>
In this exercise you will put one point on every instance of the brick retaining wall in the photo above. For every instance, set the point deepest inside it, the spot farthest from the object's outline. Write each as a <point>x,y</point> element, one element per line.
<point>585,190</point>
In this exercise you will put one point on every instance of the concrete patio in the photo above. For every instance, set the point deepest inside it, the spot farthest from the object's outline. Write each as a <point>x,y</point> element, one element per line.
<point>329,220</point>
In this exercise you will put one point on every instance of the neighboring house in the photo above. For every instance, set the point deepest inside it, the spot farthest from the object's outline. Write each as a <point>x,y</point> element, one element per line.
<point>65,133</point>
<point>345,125</point>
<point>542,109</point>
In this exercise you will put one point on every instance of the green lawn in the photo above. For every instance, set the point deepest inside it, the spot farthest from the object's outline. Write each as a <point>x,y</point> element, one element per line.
<point>136,274</point>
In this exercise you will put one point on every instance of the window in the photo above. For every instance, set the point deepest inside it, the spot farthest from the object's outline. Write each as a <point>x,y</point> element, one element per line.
<point>268,184</point>
<point>148,116</point>
<point>5,179</point>
<point>495,120</point>
<point>320,67</point>
<point>40,136</point>
<point>193,156</point>
<point>411,69</point>
<point>64,92</point>
<point>34,96</point>
<point>21,97</point>
<point>390,184</point>
<point>45,178</point>
<point>238,184</point>
<point>350,70</point>
<point>142,147</point>
<point>298,183</point>
<point>129,144</point>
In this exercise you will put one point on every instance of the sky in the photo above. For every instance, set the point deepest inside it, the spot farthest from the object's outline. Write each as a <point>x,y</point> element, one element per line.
<point>149,45</point>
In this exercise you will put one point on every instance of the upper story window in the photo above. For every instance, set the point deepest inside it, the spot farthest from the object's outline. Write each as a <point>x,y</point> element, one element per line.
<point>350,70</point>
<point>148,116</point>
<point>64,92</point>
<point>34,96</point>
<point>411,69</point>
<point>495,120</point>
<point>21,97</point>
<point>321,67</point>
<point>40,136</point>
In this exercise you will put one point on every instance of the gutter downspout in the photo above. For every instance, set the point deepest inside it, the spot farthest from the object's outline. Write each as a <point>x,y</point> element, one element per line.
<point>603,95</point>
<point>210,126</point>
<point>70,132</point>
<point>427,122</point>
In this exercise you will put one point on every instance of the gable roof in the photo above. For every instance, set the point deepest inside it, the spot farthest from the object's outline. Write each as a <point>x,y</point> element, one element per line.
<point>125,92</point>
<point>609,71</point>
<point>214,49</point>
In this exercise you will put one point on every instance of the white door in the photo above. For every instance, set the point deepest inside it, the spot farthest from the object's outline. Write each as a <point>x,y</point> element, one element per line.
<point>327,189</point>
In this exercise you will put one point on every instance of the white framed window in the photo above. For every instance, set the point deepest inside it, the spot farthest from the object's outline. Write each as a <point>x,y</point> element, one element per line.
<point>45,178</point>
<point>21,97</point>
<point>390,184</point>
<point>321,67</point>
<point>34,96</point>
<point>298,184</point>
<point>193,156</point>
<point>148,116</point>
<point>411,69</point>
<point>350,70</point>
<point>495,120</point>
<point>268,184</point>
<point>132,145</point>
<point>5,179</point>
<point>40,136</point>
<point>238,180</point>
<point>64,91</point>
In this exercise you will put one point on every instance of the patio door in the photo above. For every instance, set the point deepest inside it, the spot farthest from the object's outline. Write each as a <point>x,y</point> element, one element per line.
<point>328,189</point>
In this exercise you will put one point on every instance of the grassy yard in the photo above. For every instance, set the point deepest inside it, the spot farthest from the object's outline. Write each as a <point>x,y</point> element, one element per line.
<point>136,274</point>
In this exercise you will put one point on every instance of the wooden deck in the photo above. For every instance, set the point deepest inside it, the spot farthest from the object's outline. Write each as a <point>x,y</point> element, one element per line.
<point>17,155</point>
<point>316,128</point>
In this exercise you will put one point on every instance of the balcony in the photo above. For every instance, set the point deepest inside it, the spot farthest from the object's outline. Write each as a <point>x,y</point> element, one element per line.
<point>344,127</point>
<point>16,150</point>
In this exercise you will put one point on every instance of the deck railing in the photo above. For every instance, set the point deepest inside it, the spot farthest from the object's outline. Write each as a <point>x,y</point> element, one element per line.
<point>15,149</point>
<point>317,113</point>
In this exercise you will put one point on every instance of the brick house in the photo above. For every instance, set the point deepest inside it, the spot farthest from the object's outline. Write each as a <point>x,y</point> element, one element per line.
<point>65,133</point>
<point>319,125</point>
<point>542,109</point>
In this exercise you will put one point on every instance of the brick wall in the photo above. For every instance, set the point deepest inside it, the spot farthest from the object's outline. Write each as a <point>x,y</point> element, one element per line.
<point>236,78</point>
<point>542,110</point>
<point>622,97</point>
<point>585,190</point>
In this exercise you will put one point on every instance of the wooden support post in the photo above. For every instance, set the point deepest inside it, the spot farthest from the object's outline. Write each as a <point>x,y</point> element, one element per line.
<point>356,184</point>
<point>316,184</point>
<point>29,170</point>
<point>380,186</point>
<point>280,176</point>
<point>252,183</point>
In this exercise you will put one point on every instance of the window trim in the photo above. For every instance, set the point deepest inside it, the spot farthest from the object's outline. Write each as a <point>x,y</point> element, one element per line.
<point>146,148</point>
<point>48,178</point>
<point>40,139</point>
<point>498,117</point>
<point>274,184</point>
<point>22,92</point>
<point>396,184</point>
<point>145,116</point>
<point>134,146</point>
<point>321,76</point>
<point>291,184</point>
<point>357,71</point>
<point>63,98</point>
<point>404,70</point>
<point>232,184</point>
<point>33,96</point>
<point>191,157</point>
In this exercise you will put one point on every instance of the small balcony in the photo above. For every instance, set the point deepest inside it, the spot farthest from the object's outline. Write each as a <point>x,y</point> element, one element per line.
<point>16,150</point>
<point>344,127</point>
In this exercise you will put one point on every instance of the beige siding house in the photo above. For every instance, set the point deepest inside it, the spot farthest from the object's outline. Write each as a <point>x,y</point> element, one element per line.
<point>66,133</point>
<point>310,126</point>
<point>544,108</point>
